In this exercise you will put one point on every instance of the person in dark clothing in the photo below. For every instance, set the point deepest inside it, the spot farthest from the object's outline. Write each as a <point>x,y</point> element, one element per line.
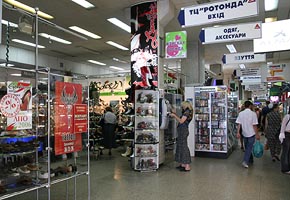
<point>272,131</point>
<point>265,111</point>
<point>182,155</point>
<point>110,120</point>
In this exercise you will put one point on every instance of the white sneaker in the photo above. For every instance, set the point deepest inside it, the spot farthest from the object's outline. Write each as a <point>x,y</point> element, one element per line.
<point>245,165</point>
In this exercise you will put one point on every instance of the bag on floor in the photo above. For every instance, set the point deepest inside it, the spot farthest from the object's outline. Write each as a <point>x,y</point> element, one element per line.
<point>258,149</point>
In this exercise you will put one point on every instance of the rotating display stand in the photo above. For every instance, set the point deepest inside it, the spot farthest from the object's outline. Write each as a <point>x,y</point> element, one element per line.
<point>146,130</point>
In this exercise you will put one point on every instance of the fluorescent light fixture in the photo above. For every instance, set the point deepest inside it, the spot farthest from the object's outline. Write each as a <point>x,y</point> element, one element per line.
<point>85,32</point>
<point>84,3</point>
<point>96,62</point>
<point>270,19</point>
<point>117,68</point>
<point>15,74</point>
<point>51,37</point>
<point>121,61</point>
<point>4,65</point>
<point>10,23</point>
<point>231,48</point>
<point>242,66</point>
<point>117,45</point>
<point>27,43</point>
<point>271,5</point>
<point>120,24</point>
<point>27,8</point>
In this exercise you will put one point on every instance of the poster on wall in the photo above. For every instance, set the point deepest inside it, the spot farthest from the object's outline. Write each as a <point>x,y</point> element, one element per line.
<point>67,96</point>
<point>175,44</point>
<point>144,45</point>
<point>16,105</point>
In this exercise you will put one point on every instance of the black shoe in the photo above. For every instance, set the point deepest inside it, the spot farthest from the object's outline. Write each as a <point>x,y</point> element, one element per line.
<point>277,158</point>
<point>184,170</point>
<point>179,167</point>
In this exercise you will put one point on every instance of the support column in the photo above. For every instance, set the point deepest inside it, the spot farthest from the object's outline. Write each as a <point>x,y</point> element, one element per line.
<point>193,67</point>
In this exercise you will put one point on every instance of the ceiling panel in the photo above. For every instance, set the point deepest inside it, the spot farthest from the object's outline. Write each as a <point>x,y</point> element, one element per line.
<point>66,13</point>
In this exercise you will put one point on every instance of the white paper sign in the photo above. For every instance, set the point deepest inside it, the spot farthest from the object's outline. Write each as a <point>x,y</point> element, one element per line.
<point>22,118</point>
<point>237,32</point>
<point>246,57</point>
<point>218,12</point>
<point>275,37</point>
<point>249,72</point>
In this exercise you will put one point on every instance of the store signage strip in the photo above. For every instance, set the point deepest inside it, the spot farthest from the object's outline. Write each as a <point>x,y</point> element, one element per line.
<point>217,12</point>
<point>238,32</point>
<point>249,72</point>
<point>246,57</point>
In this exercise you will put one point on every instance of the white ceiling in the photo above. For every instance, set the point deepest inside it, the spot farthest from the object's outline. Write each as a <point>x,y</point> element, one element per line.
<point>66,13</point>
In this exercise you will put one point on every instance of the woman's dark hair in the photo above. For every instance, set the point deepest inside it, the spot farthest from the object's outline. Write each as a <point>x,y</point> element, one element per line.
<point>248,104</point>
<point>109,109</point>
<point>275,106</point>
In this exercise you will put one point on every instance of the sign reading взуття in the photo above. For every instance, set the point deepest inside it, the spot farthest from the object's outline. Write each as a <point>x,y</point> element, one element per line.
<point>217,12</point>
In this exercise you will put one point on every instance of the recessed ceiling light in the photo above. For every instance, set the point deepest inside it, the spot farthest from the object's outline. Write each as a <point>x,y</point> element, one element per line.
<point>28,9</point>
<point>270,19</point>
<point>231,48</point>
<point>117,68</point>
<point>96,62</point>
<point>51,37</point>
<point>27,43</point>
<point>15,74</point>
<point>85,32</point>
<point>4,65</point>
<point>120,24</point>
<point>271,5</point>
<point>117,45</point>
<point>84,3</point>
<point>5,22</point>
<point>121,61</point>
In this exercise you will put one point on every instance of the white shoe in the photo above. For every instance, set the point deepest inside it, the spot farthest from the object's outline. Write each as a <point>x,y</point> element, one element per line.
<point>128,152</point>
<point>43,175</point>
<point>245,165</point>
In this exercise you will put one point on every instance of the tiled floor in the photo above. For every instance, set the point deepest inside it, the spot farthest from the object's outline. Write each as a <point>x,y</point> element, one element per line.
<point>209,179</point>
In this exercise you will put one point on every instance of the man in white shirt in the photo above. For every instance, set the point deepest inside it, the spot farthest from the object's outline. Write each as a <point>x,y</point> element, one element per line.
<point>247,119</point>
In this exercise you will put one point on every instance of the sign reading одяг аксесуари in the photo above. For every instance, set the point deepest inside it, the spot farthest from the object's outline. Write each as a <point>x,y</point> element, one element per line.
<point>234,32</point>
<point>217,12</point>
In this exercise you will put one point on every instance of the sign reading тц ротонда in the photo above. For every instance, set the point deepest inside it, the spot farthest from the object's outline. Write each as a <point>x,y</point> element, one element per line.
<point>217,12</point>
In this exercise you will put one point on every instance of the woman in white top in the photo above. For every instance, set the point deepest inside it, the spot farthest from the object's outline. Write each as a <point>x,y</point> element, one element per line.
<point>285,139</point>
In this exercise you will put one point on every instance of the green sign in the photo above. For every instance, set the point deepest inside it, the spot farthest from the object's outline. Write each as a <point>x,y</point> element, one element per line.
<point>175,45</point>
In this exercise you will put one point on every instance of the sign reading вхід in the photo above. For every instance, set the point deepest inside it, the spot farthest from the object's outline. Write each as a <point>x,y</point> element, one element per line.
<point>217,12</point>
<point>235,32</point>
<point>246,57</point>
